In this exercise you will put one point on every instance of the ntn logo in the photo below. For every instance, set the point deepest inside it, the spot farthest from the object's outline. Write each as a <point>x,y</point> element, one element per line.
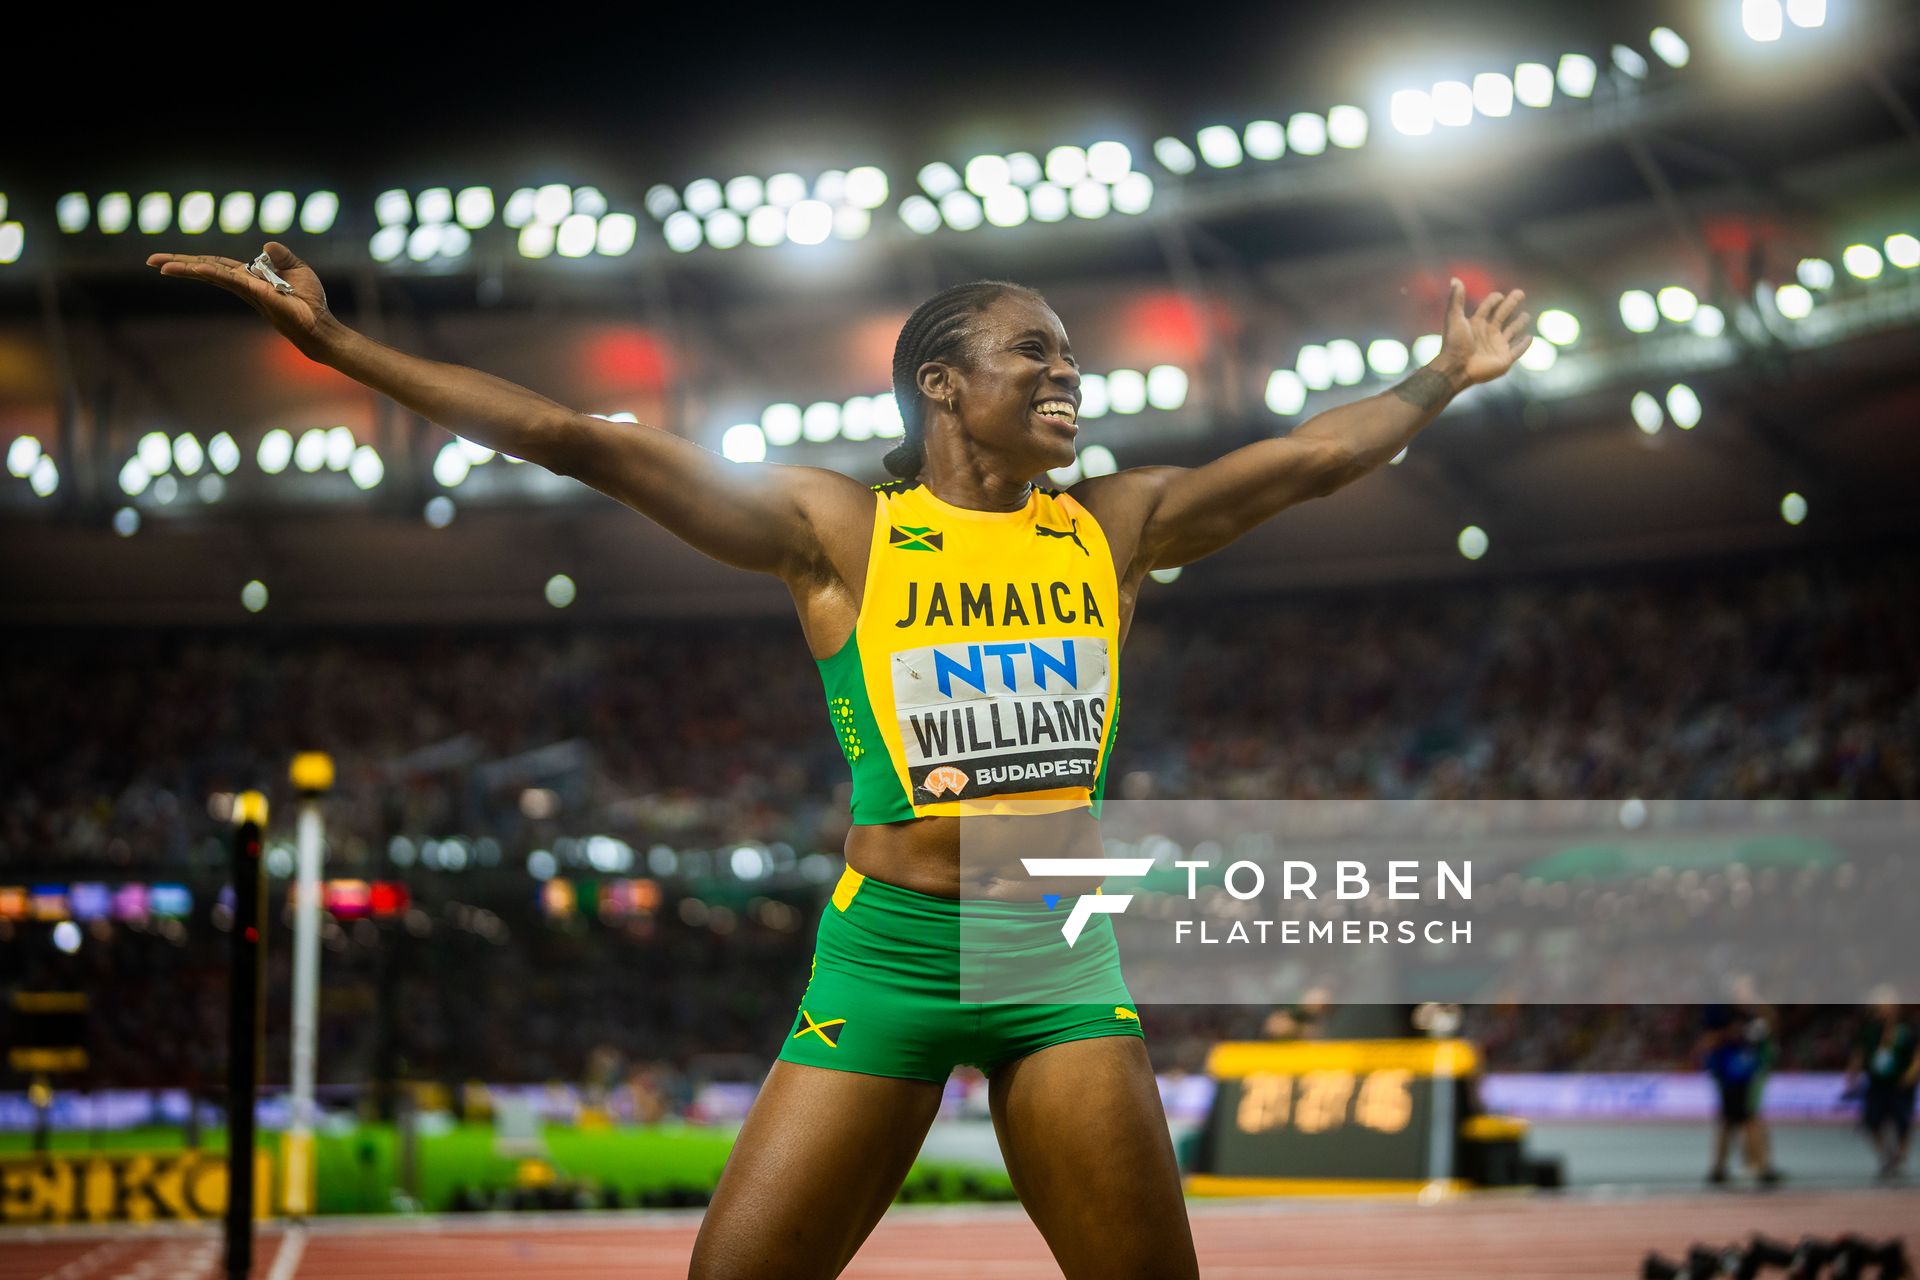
<point>976,664</point>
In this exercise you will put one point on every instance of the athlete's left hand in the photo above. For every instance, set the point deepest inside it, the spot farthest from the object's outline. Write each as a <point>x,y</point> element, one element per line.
<point>1484,345</point>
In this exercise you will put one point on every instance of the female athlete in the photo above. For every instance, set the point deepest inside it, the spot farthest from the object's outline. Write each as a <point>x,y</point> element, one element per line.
<point>967,623</point>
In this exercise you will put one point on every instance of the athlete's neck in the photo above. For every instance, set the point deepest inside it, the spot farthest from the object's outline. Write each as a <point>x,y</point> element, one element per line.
<point>979,491</point>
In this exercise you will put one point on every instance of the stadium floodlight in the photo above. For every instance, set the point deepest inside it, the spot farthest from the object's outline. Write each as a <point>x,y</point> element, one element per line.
<point>1646,413</point>
<point>809,222</point>
<point>21,455</point>
<point>365,466</point>
<point>320,209</point>
<point>310,453</point>
<point>1093,396</point>
<point>1709,321</point>
<point>1066,165</point>
<point>1425,348</point>
<point>576,235</point>
<point>434,205</point>
<point>786,189</point>
<point>1807,13</point>
<point>1815,273</point>
<point>1348,365</point>
<point>236,212</point>
<point>473,207</point>
<point>1793,508</point>
<point>1109,161</point>
<point>1533,84</point>
<point>165,488</point>
<point>831,186</point>
<point>1539,357</point>
<point>1677,303</point>
<point>856,418</point>
<point>1307,133</point>
<point>276,450</point>
<point>590,201</point>
<point>682,231</point>
<point>134,477</point>
<point>1048,203</point>
<point>518,211</point>
<point>660,200</point>
<point>1126,390</point>
<point>1683,406</point>
<point>156,451</point>
<point>188,456</point>
<point>1068,476</point>
<point>554,201</point>
<point>276,211</point>
<point>1472,542</point>
<point>1165,575</point>
<point>766,226</point>
<point>126,522</point>
<point>1265,139</point>
<point>1315,366</point>
<point>387,244</point>
<point>115,211</point>
<point>424,242</point>
<point>1638,311</point>
<point>1024,168</point>
<point>987,174</point>
<point>1006,206</point>
<point>1220,146</point>
<point>1793,301</point>
<point>1903,251</point>
<point>1577,74</point>
<point>13,239</point>
<point>1862,261</point>
<point>1453,103</point>
<point>866,186</point>
<point>886,417</point>
<point>1399,457</point>
<point>1561,328</point>
<point>1669,47</point>
<point>1347,127</point>
<point>1090,199</point>
<point>560,591</point>
<point>476,453</point>
<point>725,228</point>
<point>1166,386</point>
<point>393,208</point>
<point>820,422</point>
<point>615,234</point>
<point>938,179</point>
<point>196,212</point>
<point>1097,460</point>
<point>450,465</point>
<point>1761,20</point>
<point>340,446</point>
<point>1174,155</point>
<point>1629,61</point>
<point>1387,357</point>
<point>1286,393</point>
<point>439,511</point>
<point>45,476</point>
<point>71,212</point>
<point>1133,193</point>
<point>223,453</point>
<point>921,215</point>
<point>962,210</point>
<point>1411,111</point>
<point>454,240</point>
<point>1493,94</point>
<point>155,212</point>
<point>211,488</point>
<point>253,596</point>
<point>743,442</point>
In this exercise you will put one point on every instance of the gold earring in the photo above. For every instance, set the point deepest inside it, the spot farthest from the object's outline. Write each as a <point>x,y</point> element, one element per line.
<point>950,408</point>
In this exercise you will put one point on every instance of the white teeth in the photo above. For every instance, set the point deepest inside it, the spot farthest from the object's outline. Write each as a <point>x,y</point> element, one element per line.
<point>1056,409</point>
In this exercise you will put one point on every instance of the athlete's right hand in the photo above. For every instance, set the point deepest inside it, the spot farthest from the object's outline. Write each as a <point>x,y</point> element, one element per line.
<point>300,315</point>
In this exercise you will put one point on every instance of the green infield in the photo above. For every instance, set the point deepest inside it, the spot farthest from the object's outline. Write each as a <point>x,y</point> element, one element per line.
<point>455,1166</point>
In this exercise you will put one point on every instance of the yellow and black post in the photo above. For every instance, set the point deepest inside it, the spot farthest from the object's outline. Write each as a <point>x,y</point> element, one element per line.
<point>245,1024</point>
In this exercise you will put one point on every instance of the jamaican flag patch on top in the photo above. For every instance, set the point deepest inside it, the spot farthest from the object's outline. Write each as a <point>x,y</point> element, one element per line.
<point>908,538</point>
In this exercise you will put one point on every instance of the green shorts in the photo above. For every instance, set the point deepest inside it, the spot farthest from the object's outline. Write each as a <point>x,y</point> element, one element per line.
<point>889,966</point>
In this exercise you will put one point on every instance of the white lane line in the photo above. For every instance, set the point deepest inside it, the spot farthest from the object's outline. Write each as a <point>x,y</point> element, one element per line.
<point>287,1261</point>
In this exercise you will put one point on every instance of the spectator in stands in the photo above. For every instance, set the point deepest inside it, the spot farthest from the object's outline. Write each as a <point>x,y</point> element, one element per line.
<point>1884,1060</point>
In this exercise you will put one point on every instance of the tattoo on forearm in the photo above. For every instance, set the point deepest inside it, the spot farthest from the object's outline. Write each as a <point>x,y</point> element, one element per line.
<point>1424,390</point>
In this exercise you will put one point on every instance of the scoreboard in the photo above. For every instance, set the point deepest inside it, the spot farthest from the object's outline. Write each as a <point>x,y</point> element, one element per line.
<point>1333,1115</point>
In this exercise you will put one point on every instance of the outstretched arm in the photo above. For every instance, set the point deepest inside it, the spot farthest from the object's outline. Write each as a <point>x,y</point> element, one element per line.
<point>1184,513</point>
<point>759,518</point>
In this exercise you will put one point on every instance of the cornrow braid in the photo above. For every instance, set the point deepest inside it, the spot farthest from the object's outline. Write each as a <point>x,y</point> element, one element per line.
<point>939,329</point>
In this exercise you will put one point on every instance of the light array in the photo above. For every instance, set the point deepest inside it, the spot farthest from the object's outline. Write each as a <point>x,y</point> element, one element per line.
<point>1342,362</point>
<point>432,224</point>
<point>1643,312</point>
<point>1008,190</point>
<point>1305,133</point>
<point>459,456</point>
<point>765,212</point>
<point>1814,277</point>
<point>198,212</point>
<point>158,457</point>
<point>1682,406</point>
<point>13,236</point>
<point>574,222</point>
<point>1765,21</point>
<point>27,461</point>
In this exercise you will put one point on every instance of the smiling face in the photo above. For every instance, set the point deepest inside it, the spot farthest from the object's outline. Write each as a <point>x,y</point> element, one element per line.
<point>1020,365</point>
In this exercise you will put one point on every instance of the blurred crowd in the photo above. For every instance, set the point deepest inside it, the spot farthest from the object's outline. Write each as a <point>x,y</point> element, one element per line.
<point>1798,681</point>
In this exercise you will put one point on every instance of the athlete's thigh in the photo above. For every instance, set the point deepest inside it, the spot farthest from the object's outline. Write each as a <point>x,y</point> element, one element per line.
<point>1087,1147</point>
<point>819,1159</point>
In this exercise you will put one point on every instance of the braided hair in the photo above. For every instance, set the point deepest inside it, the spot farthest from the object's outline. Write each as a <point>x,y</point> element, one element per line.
<point>940,328</point>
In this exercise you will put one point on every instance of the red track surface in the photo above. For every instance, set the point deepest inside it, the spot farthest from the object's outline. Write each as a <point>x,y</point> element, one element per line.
<point>1537,1238</point>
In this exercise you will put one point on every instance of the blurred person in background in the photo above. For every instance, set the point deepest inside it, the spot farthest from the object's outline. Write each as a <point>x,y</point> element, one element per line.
<point>1884,1062</point>
<point>1738,1049</point>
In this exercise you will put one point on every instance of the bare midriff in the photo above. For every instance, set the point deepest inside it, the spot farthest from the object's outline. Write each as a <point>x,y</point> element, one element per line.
<point>928,855</point>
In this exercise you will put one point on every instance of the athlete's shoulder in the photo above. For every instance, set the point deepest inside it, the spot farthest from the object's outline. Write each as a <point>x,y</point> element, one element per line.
<point>895,486</point>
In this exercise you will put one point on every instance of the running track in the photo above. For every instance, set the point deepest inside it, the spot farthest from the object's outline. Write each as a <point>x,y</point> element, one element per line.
<point>1584,1238</point>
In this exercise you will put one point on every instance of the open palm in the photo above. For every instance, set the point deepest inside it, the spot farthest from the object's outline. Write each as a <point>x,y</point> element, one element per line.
<point>1484,345</point>
<point>297,315</point>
